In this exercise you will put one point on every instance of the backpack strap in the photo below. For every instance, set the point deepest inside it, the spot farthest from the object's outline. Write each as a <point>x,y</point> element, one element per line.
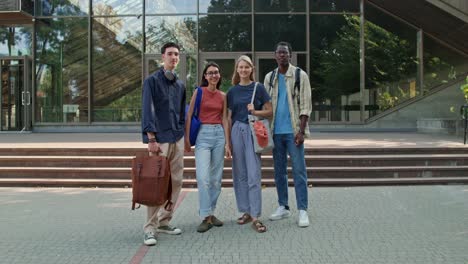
<point>272,78</point>
<point>297,85</point>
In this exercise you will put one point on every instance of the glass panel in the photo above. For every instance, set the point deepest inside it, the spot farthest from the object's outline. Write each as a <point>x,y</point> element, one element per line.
<point>117,43</point>
<point>62,7</point>
<point>9,5</point>
<point>62,70</point>
<point>117,7</point>
<point>441,64</point>
<point>226,69</point>
<point>290,28</point>
<point>11,90</point>
<point>334,68</point>
<point>334,5</point>
<point>179,29</point>
<point>27,6</point>
<point>170,6</point>
<point>15,41</point>
<point>264,67</point>
<point>391,62</point>
<point>210,6</point>
<point>280,6</point>
<point>225,33</point>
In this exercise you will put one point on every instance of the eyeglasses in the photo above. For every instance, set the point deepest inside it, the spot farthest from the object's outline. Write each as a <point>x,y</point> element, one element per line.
<point>281,52</point>
<point>212,73</point>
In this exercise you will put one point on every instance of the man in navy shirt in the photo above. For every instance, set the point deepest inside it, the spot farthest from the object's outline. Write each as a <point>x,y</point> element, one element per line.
<point>163,124</point>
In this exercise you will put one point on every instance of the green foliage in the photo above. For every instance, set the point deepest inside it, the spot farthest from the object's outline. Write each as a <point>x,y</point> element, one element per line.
<point>464,89</point>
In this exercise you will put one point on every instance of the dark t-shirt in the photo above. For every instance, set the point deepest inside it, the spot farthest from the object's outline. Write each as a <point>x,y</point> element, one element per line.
<point>239,96</point>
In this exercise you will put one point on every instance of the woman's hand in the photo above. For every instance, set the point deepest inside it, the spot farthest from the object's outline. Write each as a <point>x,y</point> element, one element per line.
<point>187,146</point>
<point>251,109</point>
<point>227,151</point>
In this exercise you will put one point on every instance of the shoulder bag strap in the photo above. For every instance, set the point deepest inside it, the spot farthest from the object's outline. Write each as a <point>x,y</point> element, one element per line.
<point>253,95</point>
<point>196,109</point>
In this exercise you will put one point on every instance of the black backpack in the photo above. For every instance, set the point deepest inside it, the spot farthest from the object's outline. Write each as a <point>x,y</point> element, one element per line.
<point>297,83</point>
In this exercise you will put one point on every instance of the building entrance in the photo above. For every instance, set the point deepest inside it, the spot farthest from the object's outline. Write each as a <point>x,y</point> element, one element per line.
<point>15,96</point>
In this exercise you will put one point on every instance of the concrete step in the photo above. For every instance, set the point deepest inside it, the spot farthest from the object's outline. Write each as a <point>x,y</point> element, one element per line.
<point>308,151</point>
<point>267,172</point>
<point>267,160</point>
<point>191,183</point>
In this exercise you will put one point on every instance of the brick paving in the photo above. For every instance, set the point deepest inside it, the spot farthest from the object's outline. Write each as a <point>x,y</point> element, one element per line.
<point>405,224</point>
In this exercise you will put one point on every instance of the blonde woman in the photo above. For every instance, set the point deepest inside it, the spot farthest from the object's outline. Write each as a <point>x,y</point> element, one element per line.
<point>246,166</point>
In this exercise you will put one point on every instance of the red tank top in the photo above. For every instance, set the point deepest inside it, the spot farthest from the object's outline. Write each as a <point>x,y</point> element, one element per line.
<point>211,109</point>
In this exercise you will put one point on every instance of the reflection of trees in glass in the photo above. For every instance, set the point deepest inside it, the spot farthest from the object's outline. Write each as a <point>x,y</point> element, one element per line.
<point>116,68</point>
<point>160,30</point>
<point>61,7</point>
<point>337,72</point>
<point>61,48</point>
<point>225,6</point>
<point>18,37</point>
<point>225,33</point>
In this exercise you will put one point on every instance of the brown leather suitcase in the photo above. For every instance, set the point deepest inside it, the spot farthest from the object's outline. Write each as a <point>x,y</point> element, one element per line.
<point>151,181</point>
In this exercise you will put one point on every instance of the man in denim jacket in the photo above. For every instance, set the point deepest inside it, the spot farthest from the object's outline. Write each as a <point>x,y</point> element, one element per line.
<point>290,92</point>
<point>163,124</point>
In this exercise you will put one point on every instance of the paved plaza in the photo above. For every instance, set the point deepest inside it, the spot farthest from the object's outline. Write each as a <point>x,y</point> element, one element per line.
<point>404,224</point>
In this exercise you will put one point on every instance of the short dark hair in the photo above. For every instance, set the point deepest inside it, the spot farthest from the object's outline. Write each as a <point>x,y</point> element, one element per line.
<point>284,43</point>
<point>169,45</point>
<point>204,81</point>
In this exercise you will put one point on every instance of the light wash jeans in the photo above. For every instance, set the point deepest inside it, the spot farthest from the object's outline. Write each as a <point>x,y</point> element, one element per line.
<point>209,160</point>
<point>284,145</point>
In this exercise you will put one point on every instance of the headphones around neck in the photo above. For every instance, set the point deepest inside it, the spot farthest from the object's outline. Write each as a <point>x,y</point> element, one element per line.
<point>170,75</point>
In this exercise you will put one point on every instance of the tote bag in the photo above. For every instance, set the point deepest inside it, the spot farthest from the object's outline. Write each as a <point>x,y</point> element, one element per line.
<point>195,123</point>
<point>260,129</point>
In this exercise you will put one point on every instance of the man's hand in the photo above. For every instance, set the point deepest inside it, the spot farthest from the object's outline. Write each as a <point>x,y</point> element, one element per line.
<point>299,139</point>
<point>187,146</point>
<point>153,147</point>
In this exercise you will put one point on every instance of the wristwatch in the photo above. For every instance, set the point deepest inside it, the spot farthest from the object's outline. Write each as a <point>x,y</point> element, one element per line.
<point>151,140</point>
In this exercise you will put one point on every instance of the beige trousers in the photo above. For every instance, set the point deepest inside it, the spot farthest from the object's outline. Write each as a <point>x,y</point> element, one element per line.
<point>157,215</point>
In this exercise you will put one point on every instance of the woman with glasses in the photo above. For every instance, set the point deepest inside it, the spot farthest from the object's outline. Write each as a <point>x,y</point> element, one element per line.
<point>210,146</point>
<point>246,167</point>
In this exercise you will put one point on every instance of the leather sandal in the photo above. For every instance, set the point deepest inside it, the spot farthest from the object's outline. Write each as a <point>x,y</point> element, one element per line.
<point>244,219</point>
<point>259,226</point>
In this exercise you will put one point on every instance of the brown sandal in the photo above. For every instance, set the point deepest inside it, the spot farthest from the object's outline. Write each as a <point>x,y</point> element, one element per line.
<point>259,226</point>
<point>244,219</point>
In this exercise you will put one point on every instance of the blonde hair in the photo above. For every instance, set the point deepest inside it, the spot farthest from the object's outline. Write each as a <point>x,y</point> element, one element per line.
<point>235,75</point>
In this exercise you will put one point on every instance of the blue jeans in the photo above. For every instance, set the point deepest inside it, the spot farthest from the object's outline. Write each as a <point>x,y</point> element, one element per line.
<point>209,161</point>
<point>284,144</point>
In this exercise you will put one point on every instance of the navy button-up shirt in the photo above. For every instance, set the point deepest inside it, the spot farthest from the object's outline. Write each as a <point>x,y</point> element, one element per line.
<point>163,106</point>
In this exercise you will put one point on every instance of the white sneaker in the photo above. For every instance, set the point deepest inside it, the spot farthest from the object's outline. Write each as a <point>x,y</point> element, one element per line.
<point>280,213</point>
<point>171,230</point>
<point>149,240</point>
<point>303,219</point>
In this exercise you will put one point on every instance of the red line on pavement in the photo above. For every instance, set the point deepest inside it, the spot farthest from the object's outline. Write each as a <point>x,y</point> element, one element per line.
<point>141,253</point>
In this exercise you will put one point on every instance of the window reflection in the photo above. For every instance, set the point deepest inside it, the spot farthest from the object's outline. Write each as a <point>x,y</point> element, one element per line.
<point>170,6</point>
<point>62,7</point>
<point>114,7</point>
<point>221,6</point>
<point>117,43</point>
<point>225,33</point>
<point>334,5</point>
<point>391,61</point>
<point>441,64</point>
<point>280,6</point>
<point>334,67</point>
<point>62,70</point>
<point>271,29</point>
<point>179,29</point>
<point>15,41</point>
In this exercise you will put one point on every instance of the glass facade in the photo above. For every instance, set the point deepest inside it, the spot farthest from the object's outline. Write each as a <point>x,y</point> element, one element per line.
<point>91,56</point>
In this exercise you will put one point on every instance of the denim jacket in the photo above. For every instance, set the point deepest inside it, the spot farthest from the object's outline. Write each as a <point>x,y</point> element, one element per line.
<point>163,108</point>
